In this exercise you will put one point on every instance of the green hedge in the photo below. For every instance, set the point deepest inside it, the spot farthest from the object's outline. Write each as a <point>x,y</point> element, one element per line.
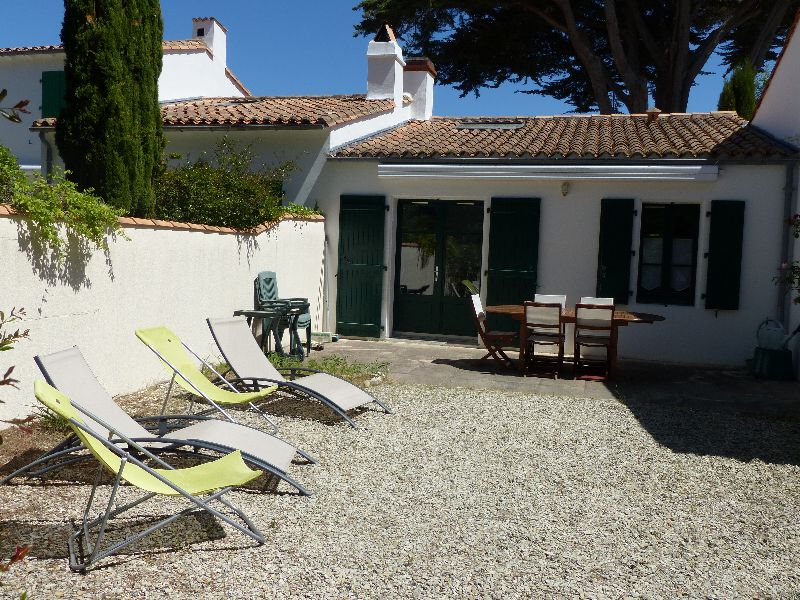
<point>224,190</point>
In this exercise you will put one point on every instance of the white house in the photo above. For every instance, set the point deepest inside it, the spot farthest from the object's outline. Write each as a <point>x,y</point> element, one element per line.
<point>682,215</point>
<point>192,68</point>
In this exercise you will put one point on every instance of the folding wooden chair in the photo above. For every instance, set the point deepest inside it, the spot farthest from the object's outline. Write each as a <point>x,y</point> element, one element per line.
<point>493,341</point>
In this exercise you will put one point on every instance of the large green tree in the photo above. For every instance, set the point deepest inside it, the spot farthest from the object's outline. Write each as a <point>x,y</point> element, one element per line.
<point>739,91</point>
<point>109,133</point>
<point>604,54</point>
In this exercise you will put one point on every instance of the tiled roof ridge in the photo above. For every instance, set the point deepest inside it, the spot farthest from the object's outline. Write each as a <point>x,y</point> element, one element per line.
<point>501,118</point>
<point>237,82</point>
<point>8,211</point>
<point>167,45</point>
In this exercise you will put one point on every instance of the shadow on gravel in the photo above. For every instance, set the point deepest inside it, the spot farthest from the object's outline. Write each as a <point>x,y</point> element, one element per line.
<point>48,540</point>
<point>719,412</point>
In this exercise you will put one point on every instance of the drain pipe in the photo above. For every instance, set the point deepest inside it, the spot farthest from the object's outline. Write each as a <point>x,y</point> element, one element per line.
<point>48,153</point>
<point>788,240</point>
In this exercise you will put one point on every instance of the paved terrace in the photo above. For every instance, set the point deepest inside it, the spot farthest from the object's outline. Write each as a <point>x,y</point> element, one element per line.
<point>640,382</point>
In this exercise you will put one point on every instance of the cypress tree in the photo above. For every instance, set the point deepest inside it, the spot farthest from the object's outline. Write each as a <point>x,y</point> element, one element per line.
<point>739,92</point>
<point>109,133</point>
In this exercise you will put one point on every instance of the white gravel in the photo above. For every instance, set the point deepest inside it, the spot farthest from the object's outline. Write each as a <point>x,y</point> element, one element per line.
<point>461,494</point>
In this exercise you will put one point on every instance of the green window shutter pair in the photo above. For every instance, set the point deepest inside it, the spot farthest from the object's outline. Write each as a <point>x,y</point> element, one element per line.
<point>54,85</point>
<point>724,252</point>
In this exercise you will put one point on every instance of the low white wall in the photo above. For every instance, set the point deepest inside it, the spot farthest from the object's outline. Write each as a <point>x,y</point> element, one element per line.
<point>166,277</point>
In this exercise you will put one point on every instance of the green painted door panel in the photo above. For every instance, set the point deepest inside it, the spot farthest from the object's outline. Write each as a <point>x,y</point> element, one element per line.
<point>513,255</point>
<point>361,265</point>
<point>614,256</point>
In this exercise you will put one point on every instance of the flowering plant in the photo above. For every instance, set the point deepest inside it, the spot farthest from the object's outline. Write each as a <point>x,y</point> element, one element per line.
<point>789,273</point>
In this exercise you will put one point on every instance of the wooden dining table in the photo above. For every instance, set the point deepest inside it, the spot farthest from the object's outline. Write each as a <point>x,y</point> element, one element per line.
<point>622,318</point>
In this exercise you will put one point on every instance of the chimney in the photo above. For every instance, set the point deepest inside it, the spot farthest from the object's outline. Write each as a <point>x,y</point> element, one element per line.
<point>385,67</point>
<point>652,114</point>
<point>418,77</point>
<point>215,36</point>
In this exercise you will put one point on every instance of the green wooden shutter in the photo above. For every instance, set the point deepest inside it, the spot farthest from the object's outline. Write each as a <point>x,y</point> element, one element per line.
<point>513,255</point>
<point>54,84</point>
<point>361,265</point>
<point>725,254</point>
<point>614,256</point>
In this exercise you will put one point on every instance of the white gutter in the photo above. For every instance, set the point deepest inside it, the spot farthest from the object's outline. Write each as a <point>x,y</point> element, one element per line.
<point>557,172</point>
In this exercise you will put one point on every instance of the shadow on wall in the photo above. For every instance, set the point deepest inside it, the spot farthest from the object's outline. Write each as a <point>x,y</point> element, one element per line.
<point>67,267</point>
<point>248,244</point>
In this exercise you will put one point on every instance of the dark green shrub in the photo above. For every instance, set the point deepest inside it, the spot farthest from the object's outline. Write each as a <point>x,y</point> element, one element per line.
<point>226,190</point>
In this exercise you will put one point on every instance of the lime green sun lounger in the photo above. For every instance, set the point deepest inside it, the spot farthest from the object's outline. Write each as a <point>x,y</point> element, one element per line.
<point>211,480</point>
<point>174,354</point>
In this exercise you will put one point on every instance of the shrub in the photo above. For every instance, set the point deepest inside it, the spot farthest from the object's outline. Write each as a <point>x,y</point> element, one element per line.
<point>225,190</point>
<point>51,205</point>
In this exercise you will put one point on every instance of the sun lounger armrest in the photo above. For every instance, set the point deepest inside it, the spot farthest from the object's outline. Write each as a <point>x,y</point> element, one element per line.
<point>256,383</point>
<point>292,371</point>
<point>163,425</point>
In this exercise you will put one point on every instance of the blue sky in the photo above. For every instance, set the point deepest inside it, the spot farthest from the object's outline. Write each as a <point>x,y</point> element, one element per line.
<point>307,47</point>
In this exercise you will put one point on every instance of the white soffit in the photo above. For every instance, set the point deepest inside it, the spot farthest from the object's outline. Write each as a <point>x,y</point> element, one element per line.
<point>559,172</point>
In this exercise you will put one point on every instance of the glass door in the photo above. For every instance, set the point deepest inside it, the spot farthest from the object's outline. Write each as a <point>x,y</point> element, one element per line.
<point>438,246</point>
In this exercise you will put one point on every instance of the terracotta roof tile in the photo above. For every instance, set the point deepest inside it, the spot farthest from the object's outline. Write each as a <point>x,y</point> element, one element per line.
<point>691,135</point>
<point>322,111</point>
<point>167,45</point>
<point>326,111</point>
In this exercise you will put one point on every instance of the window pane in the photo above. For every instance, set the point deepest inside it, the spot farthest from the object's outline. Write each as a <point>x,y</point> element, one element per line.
<point>652,250</point>
<point>681,278</point>
<point>417,263</point>
<point>682,251</point>
<point>650,277</point>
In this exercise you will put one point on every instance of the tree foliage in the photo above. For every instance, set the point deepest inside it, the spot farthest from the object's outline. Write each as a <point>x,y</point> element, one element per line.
<point>109,133</point>
<point>739,91</point>
<point>594,54</point>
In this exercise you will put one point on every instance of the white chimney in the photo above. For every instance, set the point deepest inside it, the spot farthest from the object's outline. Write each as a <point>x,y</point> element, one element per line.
<point>215,36</point>
<point>385,67</point>
<point>418,76</point>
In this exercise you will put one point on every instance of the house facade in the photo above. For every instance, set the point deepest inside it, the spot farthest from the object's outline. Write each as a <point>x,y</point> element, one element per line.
<point>680,215</point>
<point>194,67</point>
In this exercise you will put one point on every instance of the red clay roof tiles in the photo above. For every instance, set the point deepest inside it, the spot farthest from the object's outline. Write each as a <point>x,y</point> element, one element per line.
<point>167,45</point>
<point>322,111</point>
<point>691,135</point>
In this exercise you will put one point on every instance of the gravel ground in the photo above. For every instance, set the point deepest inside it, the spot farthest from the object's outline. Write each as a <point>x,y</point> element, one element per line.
<point>461,494</point>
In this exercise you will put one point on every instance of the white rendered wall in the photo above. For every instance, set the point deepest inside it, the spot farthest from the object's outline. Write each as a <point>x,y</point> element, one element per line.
<point>569,241</point>
<point>175,278</point>
<point>194,74</point>
<point>779,110</point>
<point>22,76</point>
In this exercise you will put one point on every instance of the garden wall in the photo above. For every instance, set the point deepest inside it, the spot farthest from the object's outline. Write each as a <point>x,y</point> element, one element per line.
<point>165,274</point>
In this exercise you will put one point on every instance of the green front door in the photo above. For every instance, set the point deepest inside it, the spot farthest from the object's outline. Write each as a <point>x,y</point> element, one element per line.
<point>438,246</point>
<point>361,265</point>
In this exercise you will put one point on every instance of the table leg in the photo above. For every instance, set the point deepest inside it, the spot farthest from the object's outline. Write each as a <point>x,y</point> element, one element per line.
<point>523,346</point>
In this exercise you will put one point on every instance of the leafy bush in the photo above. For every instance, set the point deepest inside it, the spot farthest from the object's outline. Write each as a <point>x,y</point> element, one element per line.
<point>227,190</point>
<point>51,205</point>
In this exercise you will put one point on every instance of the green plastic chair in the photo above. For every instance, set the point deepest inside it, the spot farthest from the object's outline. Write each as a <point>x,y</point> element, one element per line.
<point>213,479</point>
<point>265,292</point>
<point>173,354</point>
